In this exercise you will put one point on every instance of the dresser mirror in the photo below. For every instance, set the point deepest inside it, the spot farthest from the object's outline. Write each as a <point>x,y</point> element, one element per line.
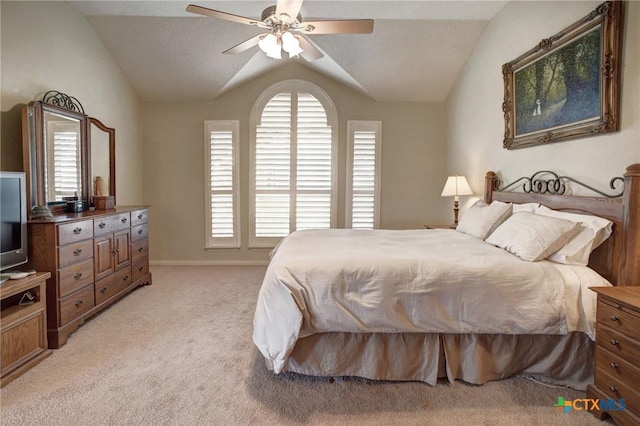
<point>102,141</point>
<point>55,155</point>
<point>64,151</point>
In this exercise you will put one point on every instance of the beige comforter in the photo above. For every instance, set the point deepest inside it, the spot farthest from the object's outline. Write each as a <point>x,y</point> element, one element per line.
<point>435,281</point>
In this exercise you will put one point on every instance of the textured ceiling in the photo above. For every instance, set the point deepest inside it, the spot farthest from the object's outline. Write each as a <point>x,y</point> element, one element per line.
<point>415,52</point>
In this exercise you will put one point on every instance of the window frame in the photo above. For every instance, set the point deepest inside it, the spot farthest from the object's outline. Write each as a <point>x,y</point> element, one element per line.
<point>232,126</point>
<point>256,114</point>
<point>367,126</point>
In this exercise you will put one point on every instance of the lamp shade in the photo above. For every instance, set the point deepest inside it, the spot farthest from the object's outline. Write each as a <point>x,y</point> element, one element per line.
<point>456,185</point>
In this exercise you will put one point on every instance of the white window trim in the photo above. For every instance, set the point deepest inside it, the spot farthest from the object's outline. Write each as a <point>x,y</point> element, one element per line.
<point>366,126</point>
<point>224,126</point>
<point>256,113</point>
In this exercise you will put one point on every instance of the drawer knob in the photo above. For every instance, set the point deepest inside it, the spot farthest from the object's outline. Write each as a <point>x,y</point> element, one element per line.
<point>140,249</point>
<point>77,231</point>
<point>617,306</point>
<point>125,278</point>
<point>101,225</point>
<point>140,231</point>
<point>614,318</point>
<point>123,220</point>
<point>103,290</point>
<point>77,252</point>
<point>78,275</point>
<point>613,365</point>
<point>140,269</point>
<point>613,389</point>
<point>614,342</point>
<point>140,216</point>
<point>78,303</point>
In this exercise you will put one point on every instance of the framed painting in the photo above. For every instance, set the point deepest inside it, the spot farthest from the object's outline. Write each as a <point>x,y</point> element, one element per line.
<point>568,86</point>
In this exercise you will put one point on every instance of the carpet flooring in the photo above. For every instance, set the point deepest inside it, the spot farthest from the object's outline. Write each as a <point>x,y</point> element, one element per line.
<point>179,352</point>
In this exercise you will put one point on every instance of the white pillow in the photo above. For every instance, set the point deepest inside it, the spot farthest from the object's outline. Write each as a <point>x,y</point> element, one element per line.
<point>532,237</point>
<point>482,218</point>
<point>525,207</point>
<point>593,232</point>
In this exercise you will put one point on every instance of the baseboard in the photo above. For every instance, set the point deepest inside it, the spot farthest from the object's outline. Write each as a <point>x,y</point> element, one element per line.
<point>208,262</point>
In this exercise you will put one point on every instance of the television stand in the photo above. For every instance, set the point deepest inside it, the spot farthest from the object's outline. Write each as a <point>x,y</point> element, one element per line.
<point>23,316</point>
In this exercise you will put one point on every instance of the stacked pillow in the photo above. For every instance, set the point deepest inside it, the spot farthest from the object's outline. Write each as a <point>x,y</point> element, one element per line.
<point>534,232</point>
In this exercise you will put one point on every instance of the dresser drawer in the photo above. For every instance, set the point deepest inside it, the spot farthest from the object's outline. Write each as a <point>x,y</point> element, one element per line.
<point>139,232</point>
<point>139,216</point>
<point>113,285</point>
<point>617,389</point>
<point>73,253</point>
<point>76,304</point>
<point>139,250</point>
<point>140,269</point>
<point>75,231</point>
<point>615,367</point>
<point>75,277</point>
<point>111,223</point>
<point>618,344</point>
<point>617,318</point>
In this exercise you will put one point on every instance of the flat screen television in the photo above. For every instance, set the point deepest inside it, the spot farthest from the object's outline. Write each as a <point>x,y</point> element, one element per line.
<point>13,218</point>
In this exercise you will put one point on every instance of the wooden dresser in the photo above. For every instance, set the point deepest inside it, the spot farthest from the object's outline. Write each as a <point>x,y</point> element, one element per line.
<point>94,257</point>
<point>23,315</point>
<point>617,373</point>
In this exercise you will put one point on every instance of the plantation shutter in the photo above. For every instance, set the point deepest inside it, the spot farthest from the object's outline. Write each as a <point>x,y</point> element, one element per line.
<point>273,168</point>
<point>64,160</point>
<point>364,174</point>
<point>220,155</point>
<point>294,168</point>
<point>314,174</point>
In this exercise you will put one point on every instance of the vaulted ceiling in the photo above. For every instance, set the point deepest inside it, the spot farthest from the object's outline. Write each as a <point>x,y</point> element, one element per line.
<point>415,52</point>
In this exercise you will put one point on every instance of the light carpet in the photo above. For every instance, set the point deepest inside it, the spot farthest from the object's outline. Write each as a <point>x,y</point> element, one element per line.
<point>179,352</point>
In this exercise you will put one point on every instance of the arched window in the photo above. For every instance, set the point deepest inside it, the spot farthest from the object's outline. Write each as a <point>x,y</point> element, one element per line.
<point>293,162</point>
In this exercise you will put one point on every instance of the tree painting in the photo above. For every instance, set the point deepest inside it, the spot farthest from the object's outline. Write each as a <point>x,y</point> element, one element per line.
<point>560,88</point>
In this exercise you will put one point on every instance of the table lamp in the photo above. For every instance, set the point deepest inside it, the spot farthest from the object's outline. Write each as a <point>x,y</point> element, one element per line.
<point>456,186</point>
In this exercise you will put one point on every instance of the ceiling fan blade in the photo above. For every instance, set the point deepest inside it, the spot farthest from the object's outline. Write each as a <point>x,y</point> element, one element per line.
<point>310,51</point>
<point>289,7</point>
<point>223,15</point>
<point>245,45</point>
<point>354,26</point>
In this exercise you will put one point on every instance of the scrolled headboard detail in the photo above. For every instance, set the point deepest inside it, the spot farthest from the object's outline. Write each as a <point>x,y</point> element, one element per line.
<point>618,259</point>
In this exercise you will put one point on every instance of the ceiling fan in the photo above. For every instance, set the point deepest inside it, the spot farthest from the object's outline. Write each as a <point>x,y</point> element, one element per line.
<point>285,30</point>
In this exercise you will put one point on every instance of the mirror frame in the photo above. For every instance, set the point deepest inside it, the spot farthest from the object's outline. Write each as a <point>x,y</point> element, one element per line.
<point>33,146</point>
<point>112,156</point>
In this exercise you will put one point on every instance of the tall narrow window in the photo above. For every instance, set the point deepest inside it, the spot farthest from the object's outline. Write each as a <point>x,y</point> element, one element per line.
<point>62,165</point>
<point>293,156</point>
<point>221,186</point>
<point>363,174</point>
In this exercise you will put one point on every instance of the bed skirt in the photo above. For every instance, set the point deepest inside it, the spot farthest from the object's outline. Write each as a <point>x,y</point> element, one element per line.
<point>473,358</point>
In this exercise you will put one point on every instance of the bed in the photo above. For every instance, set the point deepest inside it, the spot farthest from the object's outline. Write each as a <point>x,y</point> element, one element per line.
<point>429,304</point>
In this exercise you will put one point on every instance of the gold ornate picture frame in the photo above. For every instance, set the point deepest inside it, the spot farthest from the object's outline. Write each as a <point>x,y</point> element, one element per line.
<point>568,86</point>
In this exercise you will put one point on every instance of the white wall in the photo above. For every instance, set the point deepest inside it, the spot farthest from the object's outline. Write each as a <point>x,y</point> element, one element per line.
<point>475,125</point>
<point>50,46</point>
<point>412,163</point>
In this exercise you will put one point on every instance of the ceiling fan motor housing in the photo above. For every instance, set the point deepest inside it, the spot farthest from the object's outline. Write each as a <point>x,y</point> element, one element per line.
<point>269,17</point>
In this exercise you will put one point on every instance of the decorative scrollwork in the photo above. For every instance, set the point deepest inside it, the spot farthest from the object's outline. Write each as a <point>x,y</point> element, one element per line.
<point>548,182</point>
<point>547,43</point>
<point>62,100</point>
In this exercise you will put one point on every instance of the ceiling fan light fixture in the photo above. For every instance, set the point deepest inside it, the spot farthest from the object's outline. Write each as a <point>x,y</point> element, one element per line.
<point>291,44</point>
<point>268,43</point>
<point>275,52</point>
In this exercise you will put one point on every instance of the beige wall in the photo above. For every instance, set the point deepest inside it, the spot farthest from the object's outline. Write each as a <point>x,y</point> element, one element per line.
<point>49,46</point>
<point>475,123</point>
<point>412,163</point>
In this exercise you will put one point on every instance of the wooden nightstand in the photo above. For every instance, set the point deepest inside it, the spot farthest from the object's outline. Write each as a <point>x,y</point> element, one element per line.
<point>24,319</point>
<point>617,371</point>
<point>452,226</point>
